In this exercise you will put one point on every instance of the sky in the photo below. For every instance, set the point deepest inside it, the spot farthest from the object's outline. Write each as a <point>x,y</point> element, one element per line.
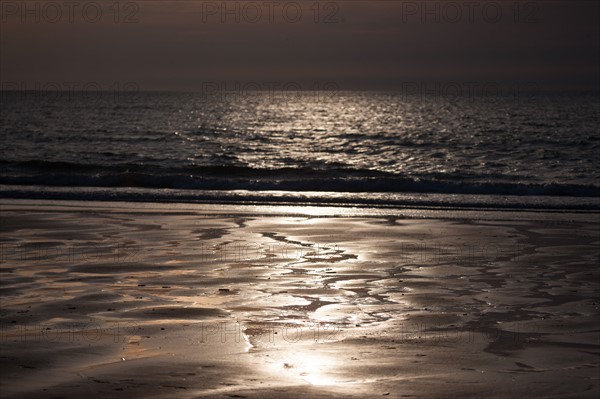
<point>187,45</point>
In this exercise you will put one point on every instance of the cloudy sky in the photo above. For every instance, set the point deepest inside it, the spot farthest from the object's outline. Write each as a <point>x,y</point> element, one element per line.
<point>180,45</point>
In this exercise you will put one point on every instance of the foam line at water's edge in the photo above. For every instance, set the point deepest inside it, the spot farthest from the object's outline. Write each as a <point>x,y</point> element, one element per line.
<point>313,198</point>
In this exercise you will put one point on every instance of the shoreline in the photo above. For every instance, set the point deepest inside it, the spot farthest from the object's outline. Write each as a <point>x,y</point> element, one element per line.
<point>312,210</point>
<point>200,300</point>
<point>411,200</point>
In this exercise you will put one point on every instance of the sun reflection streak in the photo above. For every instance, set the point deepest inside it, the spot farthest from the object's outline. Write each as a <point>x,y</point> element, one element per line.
<point>311,366</point>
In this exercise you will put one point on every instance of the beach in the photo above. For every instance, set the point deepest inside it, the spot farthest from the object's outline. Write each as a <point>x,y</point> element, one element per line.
<point>204,300</point>
<point>299,199</point>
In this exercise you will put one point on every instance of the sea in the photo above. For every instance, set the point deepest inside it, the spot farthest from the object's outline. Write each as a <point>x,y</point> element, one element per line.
<point>364,148</point>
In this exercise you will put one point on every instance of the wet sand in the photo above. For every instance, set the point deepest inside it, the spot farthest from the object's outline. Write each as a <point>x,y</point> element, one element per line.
<point>112,299</point>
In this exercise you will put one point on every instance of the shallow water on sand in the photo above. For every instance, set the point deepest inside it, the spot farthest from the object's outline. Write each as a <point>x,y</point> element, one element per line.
<point>158,303</point>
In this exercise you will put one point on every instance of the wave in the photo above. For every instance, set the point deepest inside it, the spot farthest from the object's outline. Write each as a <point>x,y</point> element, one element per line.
<point>64,174</point>
<point>322,198</point>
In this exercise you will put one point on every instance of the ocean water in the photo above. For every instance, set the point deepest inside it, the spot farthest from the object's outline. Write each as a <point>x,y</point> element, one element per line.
<point>346,147</point>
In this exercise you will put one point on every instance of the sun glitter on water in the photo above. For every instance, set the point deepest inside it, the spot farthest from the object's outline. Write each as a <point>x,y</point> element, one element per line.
<point>312,367</point>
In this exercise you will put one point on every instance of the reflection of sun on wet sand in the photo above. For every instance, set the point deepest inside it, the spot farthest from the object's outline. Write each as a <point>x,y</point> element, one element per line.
<point>102,299</point>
